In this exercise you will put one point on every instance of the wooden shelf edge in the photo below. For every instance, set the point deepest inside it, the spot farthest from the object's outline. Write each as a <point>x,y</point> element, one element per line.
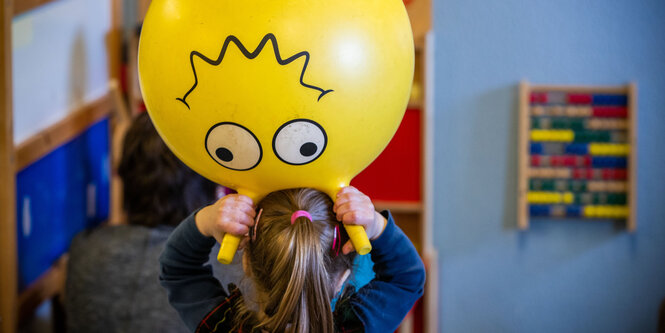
<point>44,142</point>
<point>23,6</point>
<point>399,206</point>
<point>621,89</point>
<point>430,259</point>
<point>47,286</point>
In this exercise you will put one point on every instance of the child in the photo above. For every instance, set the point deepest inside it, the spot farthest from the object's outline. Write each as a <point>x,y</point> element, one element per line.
<point>112,271</point>
<point>294,259</point>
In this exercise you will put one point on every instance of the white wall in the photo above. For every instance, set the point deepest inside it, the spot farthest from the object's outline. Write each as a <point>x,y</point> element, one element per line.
<point>59,61</point>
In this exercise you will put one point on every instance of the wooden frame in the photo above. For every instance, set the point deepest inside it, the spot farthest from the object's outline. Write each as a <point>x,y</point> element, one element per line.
<point>47,140</point>
<point>524,123</point>
<point>431,256</point>
<point>22,6</point>
<point>8,260</point>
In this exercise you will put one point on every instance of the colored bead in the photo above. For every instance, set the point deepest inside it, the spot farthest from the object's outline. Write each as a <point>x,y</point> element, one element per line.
<point>538,110</point>
<point>535,160</point>
<point>535,184</point>
<point>578,186</point>
<point>600,199</point>
<point>552,135</point>
<point>618,137</point>
<point>609,149</point>
<point>610,111</point>
<point>553,148</point>
<point>539,210</point>
<point>585,111</point>
<point>558,211</point>
<point>556,97</point>
<point>538,98</point>
<point>557,111</point>
<point>574,211</point>
<point>610,99</point>
<point>610,162</point>
<point>579,98</point>
<point>536,148</point>
<point>572,111</point>
<point>577,148</point>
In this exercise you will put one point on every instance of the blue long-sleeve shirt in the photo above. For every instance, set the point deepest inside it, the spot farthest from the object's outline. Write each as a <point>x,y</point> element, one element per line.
<point>379,306</point>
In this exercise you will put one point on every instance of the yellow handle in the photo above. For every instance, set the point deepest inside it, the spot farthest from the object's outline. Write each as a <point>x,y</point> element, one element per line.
<point>356,233</point>
<point>228,248</point>
<point>229,245</point>
<point>358,238</point>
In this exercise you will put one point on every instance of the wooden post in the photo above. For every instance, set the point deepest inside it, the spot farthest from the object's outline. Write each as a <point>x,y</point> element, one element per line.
<point>631,224</point>
<point>523,164</point>
<point>8,261</point>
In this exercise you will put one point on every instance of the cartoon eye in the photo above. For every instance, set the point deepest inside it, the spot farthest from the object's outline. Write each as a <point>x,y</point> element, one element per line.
<point>299,141</point>
<point>233,146</point>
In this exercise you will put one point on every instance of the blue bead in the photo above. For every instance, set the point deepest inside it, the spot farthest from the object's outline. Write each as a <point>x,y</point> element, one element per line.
<point>610,100</point>
<point>577,149</point>
<point>536,148</point>
<point>539,210</point>
<point>573,211</point>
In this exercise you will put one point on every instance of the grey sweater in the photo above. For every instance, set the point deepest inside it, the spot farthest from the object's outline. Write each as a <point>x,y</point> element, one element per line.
<point>113,281</point>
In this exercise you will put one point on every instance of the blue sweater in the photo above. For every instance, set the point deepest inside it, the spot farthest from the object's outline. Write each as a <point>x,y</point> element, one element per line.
<point>204,305</point>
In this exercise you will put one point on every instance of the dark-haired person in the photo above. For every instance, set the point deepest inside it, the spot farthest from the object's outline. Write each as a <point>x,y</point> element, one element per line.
<point>112,276</point>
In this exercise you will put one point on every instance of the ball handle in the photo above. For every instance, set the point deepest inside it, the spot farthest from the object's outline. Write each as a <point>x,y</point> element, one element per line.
<point>356,233</point>
<point>358,238</point>
<point>228,248</point>
<point>230,242</point>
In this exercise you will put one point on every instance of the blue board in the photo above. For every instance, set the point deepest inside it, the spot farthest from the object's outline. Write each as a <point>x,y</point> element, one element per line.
<point>61,194</point>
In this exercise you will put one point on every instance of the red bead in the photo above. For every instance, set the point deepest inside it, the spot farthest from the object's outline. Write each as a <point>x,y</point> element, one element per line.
<point>610,111</point>
<point>538,98</point>
<point>535,160</point>
<point>579,99</point>
<point>587,160</point>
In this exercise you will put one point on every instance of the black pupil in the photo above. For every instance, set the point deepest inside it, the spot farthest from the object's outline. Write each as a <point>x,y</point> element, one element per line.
<point>224,154</point>
<point>308,149</point>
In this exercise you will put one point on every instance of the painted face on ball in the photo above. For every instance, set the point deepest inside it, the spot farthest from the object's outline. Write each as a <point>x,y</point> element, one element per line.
<point>297,97</point>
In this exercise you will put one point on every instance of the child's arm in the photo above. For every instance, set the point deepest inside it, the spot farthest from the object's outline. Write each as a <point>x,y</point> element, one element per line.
<point>191,287</point>
<point>400,274</point>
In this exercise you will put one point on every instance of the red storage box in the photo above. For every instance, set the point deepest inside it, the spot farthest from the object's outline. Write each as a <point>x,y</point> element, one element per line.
<point>396,174</point>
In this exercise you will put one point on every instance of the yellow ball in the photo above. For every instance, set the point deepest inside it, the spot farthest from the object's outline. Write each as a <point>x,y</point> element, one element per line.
<point>266,95</point>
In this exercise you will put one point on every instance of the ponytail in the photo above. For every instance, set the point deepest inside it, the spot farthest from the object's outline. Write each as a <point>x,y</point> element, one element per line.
<point>305,304</point>
<point>292,266</point>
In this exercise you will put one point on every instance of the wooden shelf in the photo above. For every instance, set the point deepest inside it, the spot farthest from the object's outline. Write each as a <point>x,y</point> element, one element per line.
<point>421,19</point>
<point>399,206</point>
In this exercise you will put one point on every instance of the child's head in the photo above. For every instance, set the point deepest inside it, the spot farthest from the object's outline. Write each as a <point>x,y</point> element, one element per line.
<point>158,189</point>
<point>297,266</point>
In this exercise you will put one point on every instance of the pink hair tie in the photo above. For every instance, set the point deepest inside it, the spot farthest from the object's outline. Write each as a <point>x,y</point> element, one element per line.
<point>300,213</point>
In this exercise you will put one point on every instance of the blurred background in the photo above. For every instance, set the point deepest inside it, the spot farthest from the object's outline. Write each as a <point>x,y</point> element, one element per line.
<point>504,251</point>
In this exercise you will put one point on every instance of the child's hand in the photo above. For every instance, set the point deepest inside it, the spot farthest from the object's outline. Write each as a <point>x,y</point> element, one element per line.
<point>353,207</point>
<point>232,214</point>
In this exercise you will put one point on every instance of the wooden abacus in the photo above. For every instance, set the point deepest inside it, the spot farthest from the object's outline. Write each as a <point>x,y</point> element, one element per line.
<point>577,153</point>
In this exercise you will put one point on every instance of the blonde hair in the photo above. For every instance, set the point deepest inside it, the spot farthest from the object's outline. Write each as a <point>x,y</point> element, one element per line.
<point>293,266</point>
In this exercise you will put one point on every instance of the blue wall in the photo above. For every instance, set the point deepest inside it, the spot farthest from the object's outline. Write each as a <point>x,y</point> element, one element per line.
<point>559,276</point>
